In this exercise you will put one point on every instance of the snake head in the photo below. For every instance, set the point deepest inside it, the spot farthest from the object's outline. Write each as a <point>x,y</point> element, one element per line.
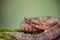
<point>31,22</point>
<point>27,20</point>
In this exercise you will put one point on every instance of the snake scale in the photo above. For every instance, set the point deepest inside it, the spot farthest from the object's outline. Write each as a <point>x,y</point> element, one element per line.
<point>51,24</point>
<point>37,23</point>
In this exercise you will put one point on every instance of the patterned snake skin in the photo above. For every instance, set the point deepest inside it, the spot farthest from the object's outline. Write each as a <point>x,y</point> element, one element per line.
<point>38,23</point>
<point>50,34</point>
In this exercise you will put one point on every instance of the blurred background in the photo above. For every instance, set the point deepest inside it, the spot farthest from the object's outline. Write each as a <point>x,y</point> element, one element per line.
<point>12,12</point>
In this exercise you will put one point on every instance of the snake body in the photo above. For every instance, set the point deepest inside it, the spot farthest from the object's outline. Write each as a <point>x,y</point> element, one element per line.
<point>52,32</point>
<point>48,35</point>
<point>41,23</point>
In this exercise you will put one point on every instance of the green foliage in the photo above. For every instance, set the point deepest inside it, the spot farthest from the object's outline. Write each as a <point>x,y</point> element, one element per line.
<point>6,36</point>
<point>5,30</point>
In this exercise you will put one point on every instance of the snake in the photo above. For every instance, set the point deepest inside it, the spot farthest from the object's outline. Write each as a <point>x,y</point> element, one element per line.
<point>49,23</point>
<point>38,23</point>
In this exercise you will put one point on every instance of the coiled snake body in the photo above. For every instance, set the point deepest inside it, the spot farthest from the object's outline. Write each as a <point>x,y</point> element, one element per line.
<point>51,24</point>
<point>38,23</point>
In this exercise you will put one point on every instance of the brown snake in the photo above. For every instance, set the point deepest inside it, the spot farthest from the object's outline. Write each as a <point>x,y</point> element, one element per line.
<point>51,24</point>
<point>37,23</point>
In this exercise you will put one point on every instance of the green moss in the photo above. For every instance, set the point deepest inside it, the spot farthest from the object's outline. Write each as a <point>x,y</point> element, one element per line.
<point>5,30</point>
<point>6,36</point>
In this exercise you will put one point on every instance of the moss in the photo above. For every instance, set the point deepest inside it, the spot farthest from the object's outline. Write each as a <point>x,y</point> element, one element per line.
<point>6,36</point>
<point>5,30</point>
